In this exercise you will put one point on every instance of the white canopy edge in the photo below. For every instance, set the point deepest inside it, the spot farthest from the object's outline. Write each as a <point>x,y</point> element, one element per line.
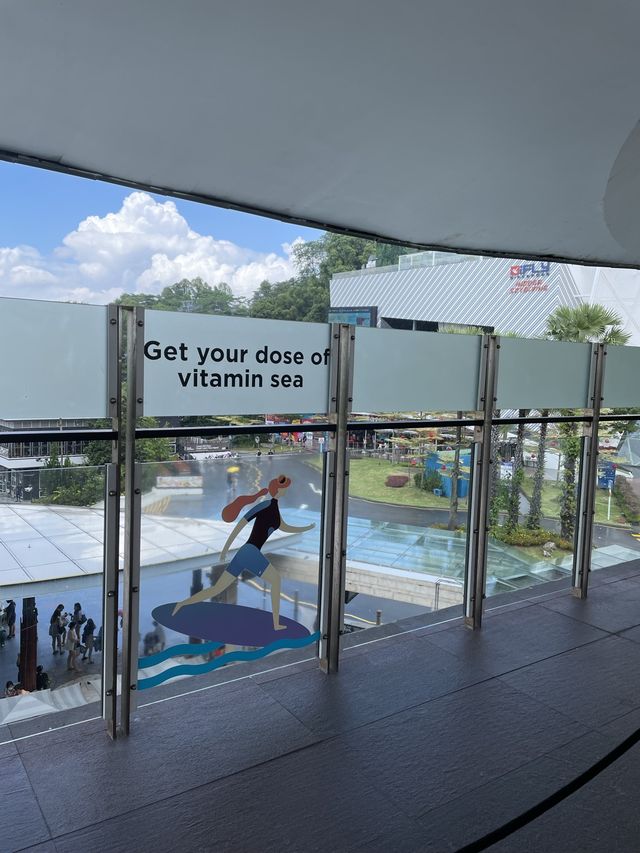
<point>503,128</point>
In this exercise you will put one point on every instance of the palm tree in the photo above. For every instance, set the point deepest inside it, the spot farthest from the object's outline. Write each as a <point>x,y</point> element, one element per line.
<point>580,324</point>
<point>586,324</point>
<point>535,505</point>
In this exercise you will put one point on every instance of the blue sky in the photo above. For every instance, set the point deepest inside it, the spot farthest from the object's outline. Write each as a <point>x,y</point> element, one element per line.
<point>39,209</point>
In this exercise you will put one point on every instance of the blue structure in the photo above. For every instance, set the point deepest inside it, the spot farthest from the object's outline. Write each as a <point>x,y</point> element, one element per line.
<point>441,463</point>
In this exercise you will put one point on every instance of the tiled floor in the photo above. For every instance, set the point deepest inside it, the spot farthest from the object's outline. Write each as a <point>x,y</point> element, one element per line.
<point>426,739</point>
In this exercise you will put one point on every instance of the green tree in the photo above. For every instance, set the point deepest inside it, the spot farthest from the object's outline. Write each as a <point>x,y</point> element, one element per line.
<point>586,323</point>
<point>190,295</point>
<point>517,476</point>
<point>580,324</point>
<point>303,298</point>
<point>535,505</point>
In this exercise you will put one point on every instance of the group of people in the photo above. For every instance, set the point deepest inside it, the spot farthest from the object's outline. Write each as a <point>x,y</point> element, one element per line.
<point>42,683</point>
<point>7,621</point>
<point>74,634</point>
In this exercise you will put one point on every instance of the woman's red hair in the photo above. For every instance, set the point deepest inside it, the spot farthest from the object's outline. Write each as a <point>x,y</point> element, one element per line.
<point>233,510</point>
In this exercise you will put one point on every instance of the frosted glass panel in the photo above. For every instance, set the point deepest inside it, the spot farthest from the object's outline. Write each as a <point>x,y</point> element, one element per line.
<point>543,374</point>
<point>53,358</point>
<point>398,371</point>
<point>196,364</point>
<point>622,377</point>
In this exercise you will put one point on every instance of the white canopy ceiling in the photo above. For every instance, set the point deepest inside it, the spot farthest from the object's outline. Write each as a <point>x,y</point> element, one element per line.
<point>501,126</point>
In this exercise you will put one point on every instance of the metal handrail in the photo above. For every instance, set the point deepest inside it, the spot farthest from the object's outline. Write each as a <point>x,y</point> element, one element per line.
<point>436,598</point>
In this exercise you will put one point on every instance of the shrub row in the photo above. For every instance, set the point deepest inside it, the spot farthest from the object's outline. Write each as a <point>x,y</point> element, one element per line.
<point>428,481</point>
<point>628,500</point>
<point>523,536</point>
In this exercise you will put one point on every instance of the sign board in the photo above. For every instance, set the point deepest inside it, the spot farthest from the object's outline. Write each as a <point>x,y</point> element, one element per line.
<point>197,364</point>
<point>354,316</point>
<point>54,360</point>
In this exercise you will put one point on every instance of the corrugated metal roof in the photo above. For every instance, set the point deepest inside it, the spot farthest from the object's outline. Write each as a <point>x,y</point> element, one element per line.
<point>479,292</point>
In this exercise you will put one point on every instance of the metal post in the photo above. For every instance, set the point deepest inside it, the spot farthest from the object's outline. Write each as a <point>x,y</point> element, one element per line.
<point>335,498</point>
<point>588,477</point>
<point>110,597</point>
<point>131,580</point>
<point>476,557</point>
<point>111,555</point>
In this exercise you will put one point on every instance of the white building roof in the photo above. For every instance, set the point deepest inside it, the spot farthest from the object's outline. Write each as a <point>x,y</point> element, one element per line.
<point>41,545</point>
<point>28,463</point>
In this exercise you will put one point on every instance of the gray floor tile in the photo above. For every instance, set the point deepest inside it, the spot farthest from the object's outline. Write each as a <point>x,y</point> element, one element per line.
<point>45,847</point>
<point>275,807</point>
<point>593,684</point>
<point>615,573</point>
<point>7,746</point>
<point>600,818</point>
<point>385,680</point>
<point>468,818</point>
<point>623,727</point>
<point>632,634</point>
<point>21,820</point>
<point>424,757</point>
<point>516,638</point>
<point>174,746</point>
<point>30,735</point>
<point>612,607</point>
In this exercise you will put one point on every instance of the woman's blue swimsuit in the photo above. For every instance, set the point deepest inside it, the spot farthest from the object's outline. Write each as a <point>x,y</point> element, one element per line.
<point>266,518</point>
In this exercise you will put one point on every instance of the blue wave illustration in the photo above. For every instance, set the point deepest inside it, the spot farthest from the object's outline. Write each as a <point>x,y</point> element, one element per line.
<point>173,651</point>
<point>209,666</point>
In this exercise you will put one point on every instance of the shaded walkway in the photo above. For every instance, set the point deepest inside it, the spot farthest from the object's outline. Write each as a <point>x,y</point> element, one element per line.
<point>426,739</point>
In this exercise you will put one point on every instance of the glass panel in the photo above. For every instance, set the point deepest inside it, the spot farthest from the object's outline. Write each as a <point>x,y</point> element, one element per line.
<point>407,533</point>
<point>51,553</point>
<point>617,521</point>
<point>549,374</point>
<point>621,377</point>
<point>183,542</point>
<point>533,505</point>
<point>62,371</point>
<point>399,371</point>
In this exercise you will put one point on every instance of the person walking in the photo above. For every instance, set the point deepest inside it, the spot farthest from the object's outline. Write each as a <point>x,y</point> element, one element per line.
<point>11,618</point>
<point>88,640</point>
<point>78,617</point>
<point>70,645</point>
<point>56,629</point>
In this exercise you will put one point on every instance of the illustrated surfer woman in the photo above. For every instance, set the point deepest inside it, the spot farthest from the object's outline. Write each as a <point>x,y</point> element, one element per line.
<point>266,520</point>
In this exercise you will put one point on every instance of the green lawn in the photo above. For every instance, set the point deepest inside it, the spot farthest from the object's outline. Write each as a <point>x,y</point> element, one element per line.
<point>551,502</point>
<point>367,480</point>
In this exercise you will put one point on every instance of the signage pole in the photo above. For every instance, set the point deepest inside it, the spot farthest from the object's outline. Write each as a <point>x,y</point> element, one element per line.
<point>476,557</point>
<point>588,477</point>
<point>111,531</point>
<point>131,579</point>
<point>335,499</point>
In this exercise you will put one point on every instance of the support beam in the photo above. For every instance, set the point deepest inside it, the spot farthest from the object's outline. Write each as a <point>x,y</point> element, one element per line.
<point>110,598</point>
<point>335,499</point>
<point>134,323</point>
<point>588,477</point>
<point>476,562</point>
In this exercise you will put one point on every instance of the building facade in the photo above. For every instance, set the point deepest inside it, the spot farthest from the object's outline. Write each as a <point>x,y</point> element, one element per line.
<point>429,291</point>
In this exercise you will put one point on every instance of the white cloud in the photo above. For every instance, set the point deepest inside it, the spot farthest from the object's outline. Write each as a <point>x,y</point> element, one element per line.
<point>142,247</point>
